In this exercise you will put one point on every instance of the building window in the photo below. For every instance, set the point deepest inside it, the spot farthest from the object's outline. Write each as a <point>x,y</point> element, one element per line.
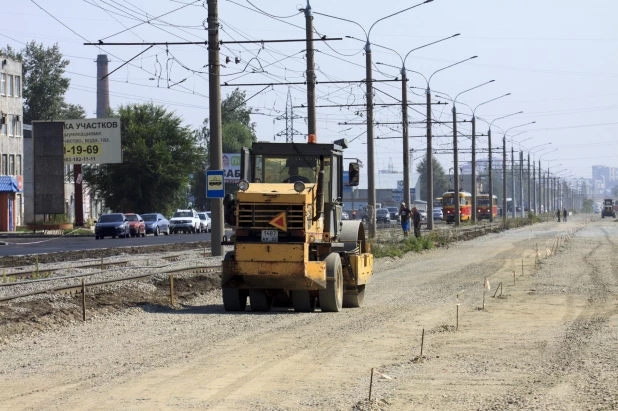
<point>11,86</point>
<point>3,125</point>
<point>11,122</point>
<point>17,86</point>
<point>4,165</point>
<point>12,165</point>
<point>16,126</point>
<point>18,165</point>
<point>3,84</point>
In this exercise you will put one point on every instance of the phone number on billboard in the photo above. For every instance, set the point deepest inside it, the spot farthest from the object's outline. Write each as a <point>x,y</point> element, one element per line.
<point>79,160</point>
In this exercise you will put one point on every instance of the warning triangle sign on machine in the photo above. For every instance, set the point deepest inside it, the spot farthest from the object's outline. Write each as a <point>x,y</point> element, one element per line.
<point>280,221</point>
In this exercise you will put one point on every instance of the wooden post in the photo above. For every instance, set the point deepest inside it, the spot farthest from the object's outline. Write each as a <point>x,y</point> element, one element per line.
<point>513,277</point>
<point>204,252</point>
<point>422,341</point>
<point>83,299</point>
<point>522,266</point>
<point>370,384</point>
<point>172,289</point>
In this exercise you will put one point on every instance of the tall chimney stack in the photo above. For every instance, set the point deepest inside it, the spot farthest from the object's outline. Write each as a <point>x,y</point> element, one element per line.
<point>102,86</point>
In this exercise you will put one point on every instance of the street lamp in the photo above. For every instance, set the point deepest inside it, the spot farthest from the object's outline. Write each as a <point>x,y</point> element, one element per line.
<point>404,110</point>
<point>369,96</point>
<point>521,173</point>
<point>504,167</point>
<point>532,151</point>
<point>491,188</point>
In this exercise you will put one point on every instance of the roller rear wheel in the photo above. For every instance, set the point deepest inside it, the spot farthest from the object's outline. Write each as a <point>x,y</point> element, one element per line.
<point>234,299</point>
<point>260,301</point>
<point>303,301</point>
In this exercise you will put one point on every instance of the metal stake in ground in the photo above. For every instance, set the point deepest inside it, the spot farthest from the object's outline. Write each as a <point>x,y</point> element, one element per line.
<point>422,341</point>
<point>83,299</point>
<point>172,289</point>
<point>370,384</point>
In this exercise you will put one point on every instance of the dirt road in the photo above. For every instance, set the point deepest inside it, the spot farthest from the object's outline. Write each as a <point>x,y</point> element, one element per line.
<point>550,342</point>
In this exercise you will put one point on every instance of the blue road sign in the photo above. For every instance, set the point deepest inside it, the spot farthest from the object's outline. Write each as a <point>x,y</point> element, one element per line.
<point>214,184</point>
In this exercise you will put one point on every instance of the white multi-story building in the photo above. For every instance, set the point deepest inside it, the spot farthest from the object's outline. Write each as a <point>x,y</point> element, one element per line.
<point>11,144</point>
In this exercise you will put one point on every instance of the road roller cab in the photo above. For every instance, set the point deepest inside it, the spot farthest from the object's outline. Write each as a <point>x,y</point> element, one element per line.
<point>291,241</point>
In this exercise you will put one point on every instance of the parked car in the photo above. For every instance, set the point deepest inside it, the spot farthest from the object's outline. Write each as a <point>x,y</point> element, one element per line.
<point>383,215</point>
<point>345,215</point>
<point>394,213</point>
<point>186,221</point>
<point>136,225</point>
<point>205,223</point>
<point>438,214</point>
<point>156,223</point>
<point>423,216</point>
<point>111,225</point>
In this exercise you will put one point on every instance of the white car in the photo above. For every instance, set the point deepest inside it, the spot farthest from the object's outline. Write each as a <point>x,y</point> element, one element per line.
<point>186,221</point>
<point>205,223</point>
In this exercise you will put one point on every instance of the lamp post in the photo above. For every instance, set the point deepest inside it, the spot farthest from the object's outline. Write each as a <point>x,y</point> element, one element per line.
<point>404,111</point>
<point>513,211</point>
<point>474,185</point>
<point>550,183</point>
<point>371,197</point>
<point>504,168</point>
<point>491,188</point>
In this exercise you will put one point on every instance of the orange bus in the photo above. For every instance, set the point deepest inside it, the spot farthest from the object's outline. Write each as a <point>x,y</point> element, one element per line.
<point>482,206</point>
<point>448,206</point>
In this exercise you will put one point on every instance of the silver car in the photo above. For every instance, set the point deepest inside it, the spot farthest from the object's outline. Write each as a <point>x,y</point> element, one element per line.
<point>205,223</point>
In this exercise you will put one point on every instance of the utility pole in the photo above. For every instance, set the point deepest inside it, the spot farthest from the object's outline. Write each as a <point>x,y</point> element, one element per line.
<point>371,197</point>
<point>521,183</point>
<point>536,210</point>
<point>503,179</point>
<point>474,172</point>
<point>429,164</point>
<point>491,184</point>
<point>216,143</point>
<point>455,169</point>
<point>311,113</point>
<point>513,180</point>
<point>406,143</point>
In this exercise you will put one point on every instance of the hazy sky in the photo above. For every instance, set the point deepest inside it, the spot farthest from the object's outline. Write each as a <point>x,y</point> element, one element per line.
<point>557,57</point>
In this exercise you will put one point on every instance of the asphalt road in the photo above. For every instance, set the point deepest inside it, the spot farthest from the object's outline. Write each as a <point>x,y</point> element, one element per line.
<point>23,246</point>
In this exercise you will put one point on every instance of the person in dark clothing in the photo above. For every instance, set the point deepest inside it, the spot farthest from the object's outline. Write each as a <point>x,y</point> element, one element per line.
<point>558,214</point>
<point>565,213</point>
<point>404,215</point>
<point>416,219</point>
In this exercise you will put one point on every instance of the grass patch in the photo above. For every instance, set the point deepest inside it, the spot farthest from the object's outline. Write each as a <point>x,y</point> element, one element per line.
<point>399,248</point>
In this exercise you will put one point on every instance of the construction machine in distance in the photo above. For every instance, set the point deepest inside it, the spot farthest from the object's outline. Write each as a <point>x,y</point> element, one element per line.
<point>608,208</point>
<point>291,242</point>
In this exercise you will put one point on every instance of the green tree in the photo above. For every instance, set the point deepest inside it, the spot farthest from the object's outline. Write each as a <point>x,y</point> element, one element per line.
<point>440,181</point>
<point>159,155</point>
<point>587,206</point>
<point>44,83</point>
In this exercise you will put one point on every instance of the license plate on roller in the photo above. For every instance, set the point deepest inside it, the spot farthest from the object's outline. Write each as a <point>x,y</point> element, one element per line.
<point>270,236</point>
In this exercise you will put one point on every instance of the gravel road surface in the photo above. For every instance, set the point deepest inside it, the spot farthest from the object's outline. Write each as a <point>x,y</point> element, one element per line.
<point>549,343</point>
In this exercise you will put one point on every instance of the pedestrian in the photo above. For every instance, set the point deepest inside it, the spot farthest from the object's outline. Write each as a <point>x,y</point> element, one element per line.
<point>353,214</point>
<point>558,214</point>
<point>404,215</point>
<point>565,213</point>
<point>416,219</point>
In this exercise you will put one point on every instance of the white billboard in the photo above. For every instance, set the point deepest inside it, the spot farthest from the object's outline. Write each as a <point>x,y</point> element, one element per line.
<point>92,141</point>
<point>231,167</point>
